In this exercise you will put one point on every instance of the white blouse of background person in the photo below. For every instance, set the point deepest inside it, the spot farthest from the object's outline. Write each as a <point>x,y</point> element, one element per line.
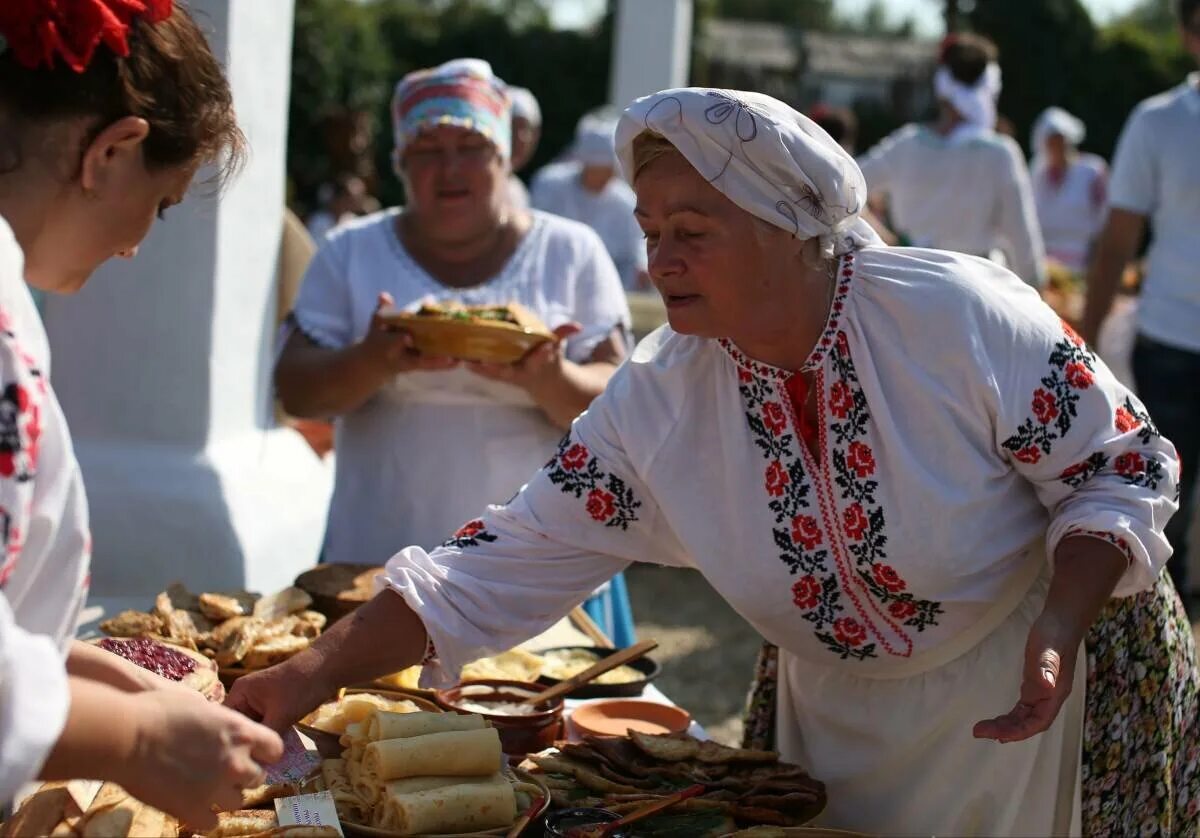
<point>972,197</point>
<point>1071,208</point>
<point>967,191</point>
<point>1156,174</point>
<point>557,189</point>
<point>404,456</point>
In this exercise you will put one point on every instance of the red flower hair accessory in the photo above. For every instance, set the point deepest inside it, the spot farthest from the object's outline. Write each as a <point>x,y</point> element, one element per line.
<point>39,30</point>
<point>950,40</point>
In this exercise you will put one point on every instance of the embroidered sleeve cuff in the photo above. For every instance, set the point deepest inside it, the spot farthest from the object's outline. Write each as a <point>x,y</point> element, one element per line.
<point>1141,552</point>
<point>414,575</point>
<point>34,700</point>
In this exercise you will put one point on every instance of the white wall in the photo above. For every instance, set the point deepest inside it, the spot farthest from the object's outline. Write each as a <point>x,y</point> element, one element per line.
<point>162,363</point>
<point>652,48</point>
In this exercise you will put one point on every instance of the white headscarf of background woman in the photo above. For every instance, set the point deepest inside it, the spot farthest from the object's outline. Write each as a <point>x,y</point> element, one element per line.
<point>968,80</point>
<point>975,103</point>
<point>1055,121</point>
<point>769,159</point>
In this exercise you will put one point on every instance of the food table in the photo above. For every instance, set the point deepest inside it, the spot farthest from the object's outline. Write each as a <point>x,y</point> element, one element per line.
<point>395,759</point>
<point>563,633</point>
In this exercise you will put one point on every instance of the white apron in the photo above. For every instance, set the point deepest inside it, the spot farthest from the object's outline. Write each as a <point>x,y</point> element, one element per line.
<point>837,724</point>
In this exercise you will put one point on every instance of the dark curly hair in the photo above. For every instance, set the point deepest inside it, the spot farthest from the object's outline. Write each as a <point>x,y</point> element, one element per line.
<point>170,78</point>
<point>967,56</point>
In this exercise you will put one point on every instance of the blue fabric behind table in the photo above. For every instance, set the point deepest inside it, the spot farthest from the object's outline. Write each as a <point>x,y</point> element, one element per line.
<point>611,611</point>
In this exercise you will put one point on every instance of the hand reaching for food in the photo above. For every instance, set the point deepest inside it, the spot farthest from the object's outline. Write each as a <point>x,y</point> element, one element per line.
<point>190,756</point>
<point>277,697</point>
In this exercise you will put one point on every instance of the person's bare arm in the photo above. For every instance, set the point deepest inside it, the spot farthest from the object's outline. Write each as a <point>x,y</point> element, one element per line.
<point>350,652</point>
<point>1116,247</point>
<point>316,382</point>
<point>1086,570</point>
<point>561,388</point>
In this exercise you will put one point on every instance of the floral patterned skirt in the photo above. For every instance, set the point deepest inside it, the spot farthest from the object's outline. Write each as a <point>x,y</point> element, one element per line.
<point>1141,734</point>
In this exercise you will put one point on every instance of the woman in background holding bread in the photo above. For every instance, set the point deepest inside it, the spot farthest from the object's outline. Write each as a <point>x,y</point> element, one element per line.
<point>107,109</point>
<point>423,443</point>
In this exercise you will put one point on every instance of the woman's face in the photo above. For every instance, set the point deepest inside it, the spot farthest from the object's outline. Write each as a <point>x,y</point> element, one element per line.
<point>720,271</point>
<point>455,181</point>
<point>105,211</point>
<point>1057,150</point>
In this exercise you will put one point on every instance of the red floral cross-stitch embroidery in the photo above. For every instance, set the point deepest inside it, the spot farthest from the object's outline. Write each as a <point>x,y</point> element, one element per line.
<point>607,498</point>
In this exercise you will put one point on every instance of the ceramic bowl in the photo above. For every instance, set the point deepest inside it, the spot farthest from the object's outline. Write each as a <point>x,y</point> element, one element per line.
<point>519,735</point>
<point>620,715</point>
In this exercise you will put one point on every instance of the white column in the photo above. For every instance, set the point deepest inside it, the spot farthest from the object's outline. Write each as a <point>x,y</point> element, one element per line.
<point>163,366</point>
<point>652,48</point>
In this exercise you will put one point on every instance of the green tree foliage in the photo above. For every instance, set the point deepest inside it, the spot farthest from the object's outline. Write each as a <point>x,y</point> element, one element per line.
<point>348,55</point>
<point>1046,50</point>
<point>1157,16</point>
<point>1053,54</point>
<point>339,62</point>
<point>351,54</point>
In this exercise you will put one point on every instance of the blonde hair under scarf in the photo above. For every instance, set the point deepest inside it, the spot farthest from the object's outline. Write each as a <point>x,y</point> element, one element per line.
<point>769,159</point>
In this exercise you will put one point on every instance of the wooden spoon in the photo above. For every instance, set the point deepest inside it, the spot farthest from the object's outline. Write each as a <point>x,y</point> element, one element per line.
<point>588,626</point>
<point>636,815</point>
<point>611,662</point>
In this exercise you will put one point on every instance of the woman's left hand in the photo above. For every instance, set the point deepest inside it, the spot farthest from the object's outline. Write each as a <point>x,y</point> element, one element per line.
<point>1050,657</point>
<point>542,367</point>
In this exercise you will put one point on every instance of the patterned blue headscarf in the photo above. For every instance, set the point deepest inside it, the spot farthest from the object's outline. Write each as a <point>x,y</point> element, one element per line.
<point>463,92</point>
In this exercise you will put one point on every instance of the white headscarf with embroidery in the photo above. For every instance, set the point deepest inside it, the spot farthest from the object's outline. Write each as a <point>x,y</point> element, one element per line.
<point>769,159</point>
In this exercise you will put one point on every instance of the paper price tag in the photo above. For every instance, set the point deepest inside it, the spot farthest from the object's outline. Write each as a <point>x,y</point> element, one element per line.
<point>83,792</point>
<point>308,810</point>
<point>297,763</point>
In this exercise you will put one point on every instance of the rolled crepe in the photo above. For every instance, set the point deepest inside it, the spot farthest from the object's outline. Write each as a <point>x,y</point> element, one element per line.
<point>337,783</point>
<point>465,753</point>
<point>384,725</point>
<point>353,741</point>
<point>333,772</point>
<point>368,788</point>
<point>409,785</point>
<point>354,733</point>
<point>464,807</point>
<point>395,788</point>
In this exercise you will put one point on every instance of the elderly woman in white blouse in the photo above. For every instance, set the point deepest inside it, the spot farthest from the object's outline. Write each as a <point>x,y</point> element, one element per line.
<point>897,464</point>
